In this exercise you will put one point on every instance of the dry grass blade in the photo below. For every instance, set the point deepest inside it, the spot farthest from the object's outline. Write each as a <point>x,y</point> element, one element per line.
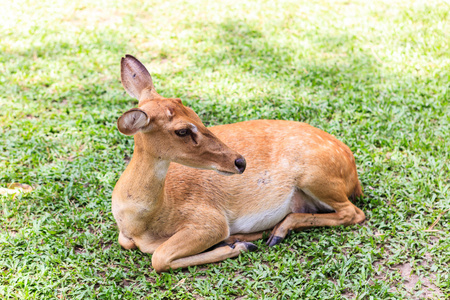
<point>430,229</point>
<point>15,188</point>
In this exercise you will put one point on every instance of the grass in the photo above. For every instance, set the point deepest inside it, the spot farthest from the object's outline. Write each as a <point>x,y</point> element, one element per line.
<point>375,74</point>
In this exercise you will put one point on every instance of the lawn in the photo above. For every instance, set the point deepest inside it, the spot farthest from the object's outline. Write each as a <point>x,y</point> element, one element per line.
<point>375,74</point>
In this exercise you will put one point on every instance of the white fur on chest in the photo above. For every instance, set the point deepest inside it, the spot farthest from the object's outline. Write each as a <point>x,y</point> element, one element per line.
<point>261,220</point>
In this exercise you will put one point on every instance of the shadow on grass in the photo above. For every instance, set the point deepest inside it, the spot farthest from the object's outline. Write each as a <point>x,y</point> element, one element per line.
<point>278,81</point>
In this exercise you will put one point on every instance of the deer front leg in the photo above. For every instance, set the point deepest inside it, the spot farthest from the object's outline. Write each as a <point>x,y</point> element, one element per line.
<point>246,237</point>
<point>125,242</point>
<point>184,249</point>
<point>146,244</point>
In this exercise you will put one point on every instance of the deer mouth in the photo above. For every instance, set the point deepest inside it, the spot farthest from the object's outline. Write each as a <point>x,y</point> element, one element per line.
<point>239,167</point>
<point>226,173</point>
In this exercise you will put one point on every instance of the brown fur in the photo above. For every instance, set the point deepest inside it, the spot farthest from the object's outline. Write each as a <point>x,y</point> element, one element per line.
<point>297,176</point>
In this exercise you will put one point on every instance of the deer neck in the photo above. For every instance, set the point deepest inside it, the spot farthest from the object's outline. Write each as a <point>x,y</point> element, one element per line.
<point>145,176</point>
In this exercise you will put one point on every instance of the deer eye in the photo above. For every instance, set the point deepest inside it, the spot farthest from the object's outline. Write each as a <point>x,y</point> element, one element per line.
<point>183,132</point>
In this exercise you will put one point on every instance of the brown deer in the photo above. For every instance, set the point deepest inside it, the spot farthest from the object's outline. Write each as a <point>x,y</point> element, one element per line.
<point>168,201</point>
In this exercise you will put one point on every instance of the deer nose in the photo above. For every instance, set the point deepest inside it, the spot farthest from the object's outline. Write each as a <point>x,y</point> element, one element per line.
<point>240,164</point>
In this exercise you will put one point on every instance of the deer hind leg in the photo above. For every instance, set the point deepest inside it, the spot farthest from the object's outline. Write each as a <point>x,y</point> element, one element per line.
<point>345,213</point>
<point>185,248</point>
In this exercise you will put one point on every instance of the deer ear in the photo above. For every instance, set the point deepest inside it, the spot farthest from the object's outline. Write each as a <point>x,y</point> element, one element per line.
<point>135,77</point>
<point>132,121</point>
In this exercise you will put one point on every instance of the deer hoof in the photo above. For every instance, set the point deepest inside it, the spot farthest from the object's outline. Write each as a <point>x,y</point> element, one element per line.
<point>250,246</point>
<point>274,240</point>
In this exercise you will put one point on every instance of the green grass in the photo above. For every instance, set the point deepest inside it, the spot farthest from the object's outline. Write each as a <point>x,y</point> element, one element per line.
<point>375,74</point>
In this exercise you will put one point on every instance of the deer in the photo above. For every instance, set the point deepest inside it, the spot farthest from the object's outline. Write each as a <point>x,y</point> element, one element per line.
<point>193,195</point>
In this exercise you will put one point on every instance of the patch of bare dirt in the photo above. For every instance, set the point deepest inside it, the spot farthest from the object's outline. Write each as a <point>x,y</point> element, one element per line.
<point>410,277</point>
<point>126,282</point>
<point>106,246</point>
<point>429,290</point>
<point>348,294</point>
<point>79,250</point>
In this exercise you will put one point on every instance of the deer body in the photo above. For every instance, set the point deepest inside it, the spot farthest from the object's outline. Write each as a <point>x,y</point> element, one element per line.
<point>278,164</point>
<point>296,176</point>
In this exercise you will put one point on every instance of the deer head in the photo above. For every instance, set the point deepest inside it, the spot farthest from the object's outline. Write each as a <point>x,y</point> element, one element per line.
<point>166,129</point>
